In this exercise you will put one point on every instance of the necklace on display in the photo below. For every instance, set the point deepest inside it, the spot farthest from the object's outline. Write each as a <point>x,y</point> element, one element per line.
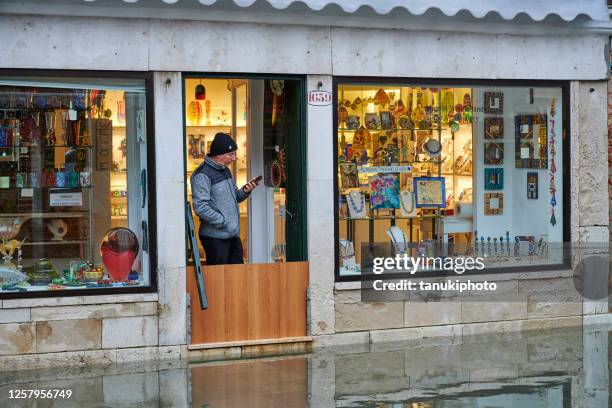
<point>398,238</point>
<point>347,250</point>
<point>407,195</point>
<point>351,200</point>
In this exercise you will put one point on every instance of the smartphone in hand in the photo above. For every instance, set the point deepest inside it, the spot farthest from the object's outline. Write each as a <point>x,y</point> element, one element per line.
<point>257,179</point>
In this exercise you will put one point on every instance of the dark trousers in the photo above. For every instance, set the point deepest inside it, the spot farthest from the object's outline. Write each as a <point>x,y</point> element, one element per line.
<point>222,251</point>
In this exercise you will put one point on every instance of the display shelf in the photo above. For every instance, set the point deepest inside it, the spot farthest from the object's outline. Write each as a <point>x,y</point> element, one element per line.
<point>457,174</point>
<point>373,163</point>
<point>39,187</point>
<point>212,126</point>
<point>63,242</point>
<point>390,129</point>
<point>49,146</point>
<point>79,214</point>
<point>390,217</point>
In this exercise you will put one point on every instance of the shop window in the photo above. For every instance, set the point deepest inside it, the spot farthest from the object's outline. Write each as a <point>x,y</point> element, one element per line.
<point>450,171</point>
<point>263,117</point>
<point>73,185</point>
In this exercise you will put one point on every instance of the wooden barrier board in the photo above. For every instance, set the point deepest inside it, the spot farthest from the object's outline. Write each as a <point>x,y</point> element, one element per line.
<point>249,302</point>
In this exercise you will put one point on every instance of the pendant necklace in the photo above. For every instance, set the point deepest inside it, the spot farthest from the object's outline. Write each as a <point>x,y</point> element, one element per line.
<point>351,201</point>
<point>403,196</point>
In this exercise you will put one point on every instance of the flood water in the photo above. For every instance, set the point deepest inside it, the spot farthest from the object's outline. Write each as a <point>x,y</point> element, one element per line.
<point>547,369</point>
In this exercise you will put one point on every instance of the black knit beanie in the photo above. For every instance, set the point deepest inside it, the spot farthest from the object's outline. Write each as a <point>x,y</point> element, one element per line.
<point>221,144</point>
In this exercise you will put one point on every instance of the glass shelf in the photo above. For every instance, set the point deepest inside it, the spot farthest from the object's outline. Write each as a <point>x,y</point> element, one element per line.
<point>390,217</point>
<point>54,187</point>
<point>371,162</point>
<point>457,174</point>
<point>47,146</point>
<point>63,242</point>
<point>391,129</point>
<point>64,214</point>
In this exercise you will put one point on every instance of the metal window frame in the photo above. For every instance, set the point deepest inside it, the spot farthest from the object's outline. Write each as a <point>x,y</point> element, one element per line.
<point>438,82</point>
<point>151,203</point>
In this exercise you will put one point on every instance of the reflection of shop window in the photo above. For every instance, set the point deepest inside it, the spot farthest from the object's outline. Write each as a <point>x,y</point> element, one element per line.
<point>68,147</point>
<point>467,163</point>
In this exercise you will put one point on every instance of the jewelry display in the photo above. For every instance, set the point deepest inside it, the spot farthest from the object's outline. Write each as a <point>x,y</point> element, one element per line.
<point>553,165</point>
<point>399,239</point>
<point>407,204</point>
<point>442,137</point>
<point>356,204</point>
<point>347,254</point>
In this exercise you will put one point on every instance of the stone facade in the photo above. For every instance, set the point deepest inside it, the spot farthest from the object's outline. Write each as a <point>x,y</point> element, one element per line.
<point>83,330</point>
<point>80,331</point>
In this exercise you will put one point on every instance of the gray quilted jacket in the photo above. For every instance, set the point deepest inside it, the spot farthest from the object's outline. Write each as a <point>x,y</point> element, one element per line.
<point>215,200</point>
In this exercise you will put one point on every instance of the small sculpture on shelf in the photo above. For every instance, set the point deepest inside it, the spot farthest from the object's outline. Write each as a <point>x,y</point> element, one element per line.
<point>7,248</point>
<point>119,250</point>
<point>58,228</point>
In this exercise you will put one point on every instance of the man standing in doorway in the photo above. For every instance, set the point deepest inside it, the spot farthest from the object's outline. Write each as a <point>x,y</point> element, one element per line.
<point>215,201</point>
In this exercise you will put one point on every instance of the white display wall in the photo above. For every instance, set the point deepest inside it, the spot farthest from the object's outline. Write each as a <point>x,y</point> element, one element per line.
<point>521,215</point>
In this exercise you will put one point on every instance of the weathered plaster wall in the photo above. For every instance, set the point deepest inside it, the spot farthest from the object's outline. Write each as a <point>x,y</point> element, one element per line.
<point>175,45</point>
<point>170,202</point>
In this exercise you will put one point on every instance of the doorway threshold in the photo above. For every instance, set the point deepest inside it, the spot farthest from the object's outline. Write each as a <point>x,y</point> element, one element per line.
<point>258,342</point>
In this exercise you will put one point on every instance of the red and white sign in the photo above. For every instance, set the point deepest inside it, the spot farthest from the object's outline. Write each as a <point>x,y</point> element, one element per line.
<point>319,98</point>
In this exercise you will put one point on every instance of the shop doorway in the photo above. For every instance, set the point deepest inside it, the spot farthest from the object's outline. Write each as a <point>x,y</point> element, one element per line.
<point>265,298</point>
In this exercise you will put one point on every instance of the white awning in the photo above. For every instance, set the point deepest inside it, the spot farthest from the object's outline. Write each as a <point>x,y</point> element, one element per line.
<point>537,10</point>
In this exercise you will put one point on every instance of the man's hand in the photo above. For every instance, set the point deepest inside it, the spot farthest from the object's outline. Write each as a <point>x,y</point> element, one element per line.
<point>250,186</point>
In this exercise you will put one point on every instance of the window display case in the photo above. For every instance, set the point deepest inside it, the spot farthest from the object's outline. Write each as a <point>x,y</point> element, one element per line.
<point>61,189</point>
<point>424,165</point>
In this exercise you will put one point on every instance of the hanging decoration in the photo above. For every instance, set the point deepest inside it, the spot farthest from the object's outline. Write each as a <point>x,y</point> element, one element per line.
<point>194,113</point>
<point>200,92</point>
<point>553,164</point>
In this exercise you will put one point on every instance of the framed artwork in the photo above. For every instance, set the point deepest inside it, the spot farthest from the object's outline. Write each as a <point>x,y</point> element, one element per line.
<point>384,192</point>
<point>494,102</point>
<point>352,122</point>
<point>531,141</point>
<point>493,153</point>
<point>532,185</point>
<point>493,203</point>
<point>494,179</point>
<point>195,147</point>
<point>372,120</point>
<point>494,128</point>
<point>429,192</point>
<point>385,120</point>
<point>348,175</point>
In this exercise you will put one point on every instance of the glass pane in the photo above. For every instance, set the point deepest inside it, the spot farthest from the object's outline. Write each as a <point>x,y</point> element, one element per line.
<point>70,170</point>
<point>462,170</point>
<point>262,117</point>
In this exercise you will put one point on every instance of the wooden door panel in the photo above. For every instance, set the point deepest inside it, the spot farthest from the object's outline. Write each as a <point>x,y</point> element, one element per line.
<point>249,302</point>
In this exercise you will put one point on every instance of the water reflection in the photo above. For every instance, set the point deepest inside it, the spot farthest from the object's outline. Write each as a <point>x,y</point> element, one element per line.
<point>567,368</point>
